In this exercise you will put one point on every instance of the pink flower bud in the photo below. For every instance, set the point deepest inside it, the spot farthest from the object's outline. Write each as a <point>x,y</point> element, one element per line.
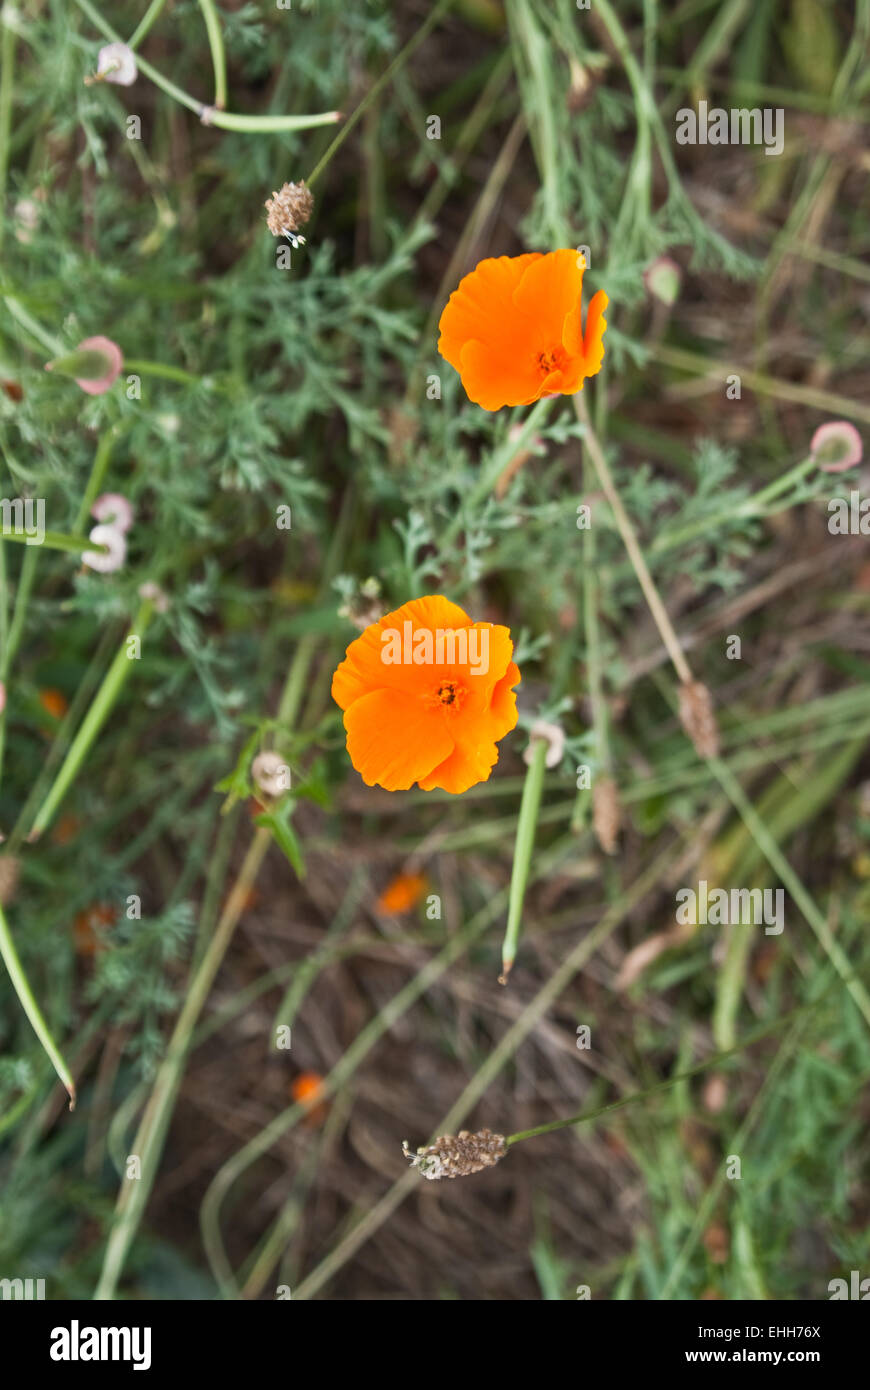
<point>113,557</point>
<point>117,63</point>
<point>836,446</point>
<point>112,507</point>
<point>663,279</point>
<point>94,365</point>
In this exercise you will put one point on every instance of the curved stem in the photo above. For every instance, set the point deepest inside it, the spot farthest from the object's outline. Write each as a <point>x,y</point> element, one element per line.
<point>218,55</point>
<point>209,115</point>
<point>25,995</point>
<point>145,23</point>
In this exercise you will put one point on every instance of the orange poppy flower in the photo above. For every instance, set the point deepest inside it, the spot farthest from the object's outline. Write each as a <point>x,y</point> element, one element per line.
<point>426,695</point>
<point>513,332</point>
<point>402,893</point>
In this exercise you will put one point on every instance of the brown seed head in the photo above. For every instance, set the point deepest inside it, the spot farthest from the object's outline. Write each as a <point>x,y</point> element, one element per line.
<point>8,878</point>
<point>457,1155</point>
<point>698,718</point>
<point>606,814</point>
<point>289,209</point>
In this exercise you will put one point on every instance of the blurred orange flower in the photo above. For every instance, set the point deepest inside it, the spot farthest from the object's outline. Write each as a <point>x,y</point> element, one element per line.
<point>402,893</point>
<point>88,926</point>
<point>306,1087</point>
<point>305,1090</point>
<point>426,695</point>
<point>513,329</point>
<point>54,702</point>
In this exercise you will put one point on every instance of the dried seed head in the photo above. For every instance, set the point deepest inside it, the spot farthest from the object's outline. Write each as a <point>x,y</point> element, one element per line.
<point>271,774</point>
<point>457,1155</point>
<point>8,878</point>
<point>554,737</point>
<point>606,813</point>
<point>288,210</point>
<point>698,719</point>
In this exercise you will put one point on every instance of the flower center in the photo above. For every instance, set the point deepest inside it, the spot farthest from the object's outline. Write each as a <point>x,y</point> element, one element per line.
<point>552,359</point>
<point>446,695</point>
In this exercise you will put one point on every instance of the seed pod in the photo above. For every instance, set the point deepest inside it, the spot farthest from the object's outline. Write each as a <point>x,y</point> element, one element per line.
<point>457,1155</point>
<point>698,718</point>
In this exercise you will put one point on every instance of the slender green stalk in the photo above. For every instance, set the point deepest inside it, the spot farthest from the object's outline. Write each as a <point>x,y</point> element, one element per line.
<point>52,540</point>
<point>495,466</point>
<point>218,56</point>
<point>435,15</point>
<point>209,115</point>
<point>7,86</point>
<point>764,385</point>
<point>755,506</point>
<point>27,322</point>
<point>786,874</point>
<point>99,711</point>
<point>102,458</point>
<point>140,367</point>
<point>148,19</point>
<point>525,842</point>
<point>10,639</point>
<point>629,540</point>
<point>31,1008</point>
<point>713,1061</point>
<point>148,1143</point>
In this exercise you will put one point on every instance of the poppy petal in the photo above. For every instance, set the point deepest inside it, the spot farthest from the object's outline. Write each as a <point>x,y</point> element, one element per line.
<point>394,740</point>
<point>364,668</point>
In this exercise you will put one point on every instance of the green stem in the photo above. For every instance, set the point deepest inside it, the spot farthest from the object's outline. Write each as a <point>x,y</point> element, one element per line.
<point>495,466</point>
<point>754,506</point>
<point>218,56</point>
<point>102,458</point>
<point>525,842</point>
<point>11,639</point>
<point>145,23</point>
<point>27,322</point>
<point>140,366</point>
<point>386,76</point>
<point>7,84</point>
<point>31,1008</point>
<point>149,1139</point>
<point>764,385</point>
<point>786,874</point>
<point>629,540</point>
<point>93,721</point>
<point>714,1061</point>
<point>53,540</point>
<point>209,115</point>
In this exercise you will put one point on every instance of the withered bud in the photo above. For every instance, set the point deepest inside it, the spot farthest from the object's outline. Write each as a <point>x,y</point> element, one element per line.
<point>271,775</point>
<point>457,1155</point>
<point>698,718</point>
<point>8,878</point>
<point>288,210</point>
<point>606,813</point>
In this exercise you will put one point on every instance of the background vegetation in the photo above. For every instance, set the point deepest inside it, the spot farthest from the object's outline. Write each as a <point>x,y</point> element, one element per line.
<point>307,387</point>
